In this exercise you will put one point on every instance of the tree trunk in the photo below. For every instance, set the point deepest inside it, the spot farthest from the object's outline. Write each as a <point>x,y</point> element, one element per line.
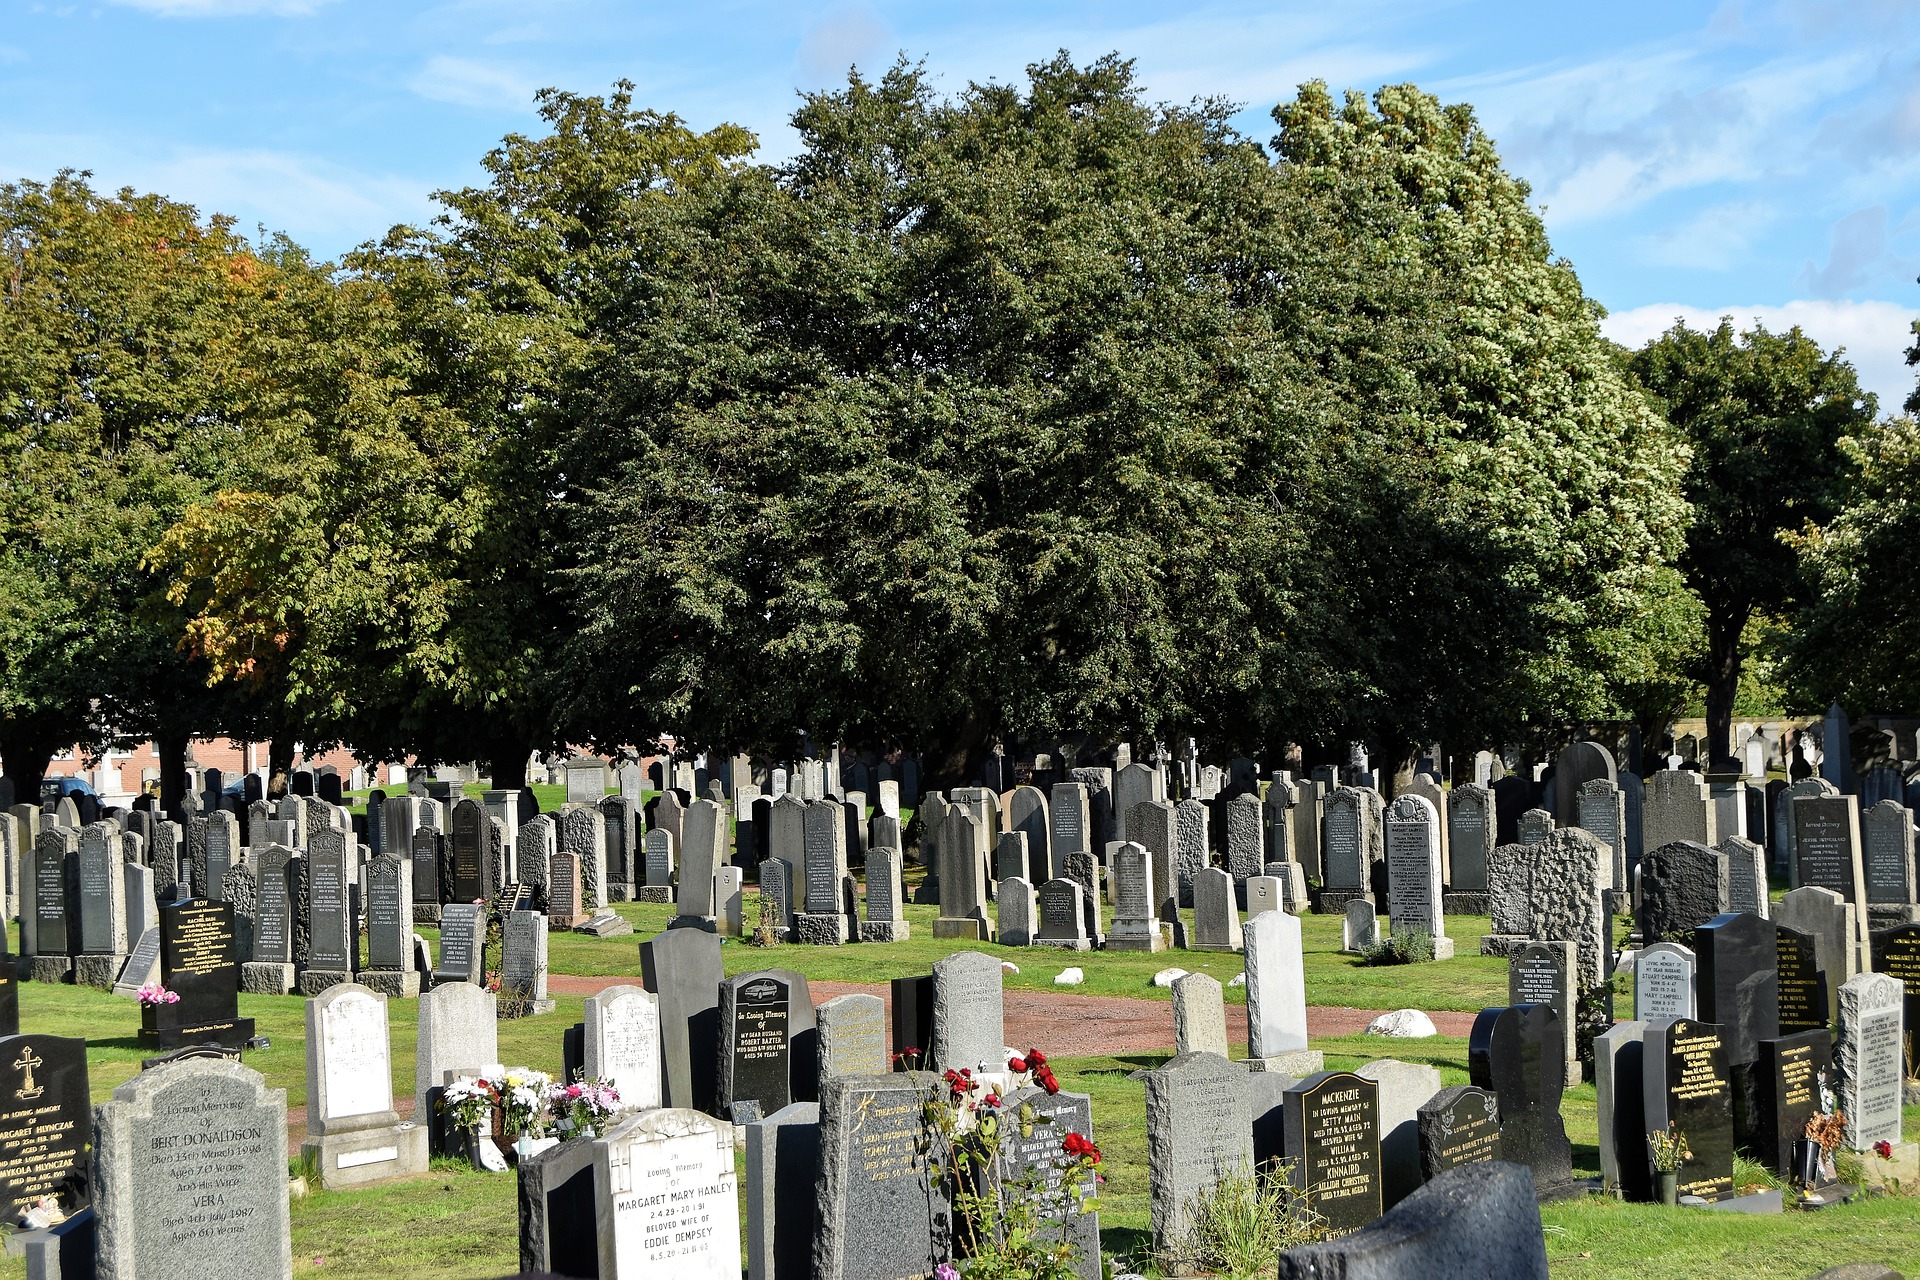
<point>507,761</point>
<point>172,749</point>
<point>280,758</point>
<point>25,754</point>
<point>954,754</point>
<point>1408,758</point>
<point>1723,684</point>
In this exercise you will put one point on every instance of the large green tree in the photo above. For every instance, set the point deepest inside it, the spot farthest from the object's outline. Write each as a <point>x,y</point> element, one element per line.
<point>1766,414</point>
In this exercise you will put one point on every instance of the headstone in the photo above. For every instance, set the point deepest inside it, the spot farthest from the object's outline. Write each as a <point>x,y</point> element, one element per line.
<point>1199,1015</point>
<point>1027,815</point>
<point>756,1025</point>
<point>622,870</point>
<point>667,1198</point>
<point>880,1211</point>
<point>1872,1070</point>
<point>886,910</point>
<point>1331,1135</point>
<point>1832,923</point>
<point>702,850</point>
<point>1344,848</point>
<point>1802,986</point>
<point>1277,997</point>
<point>1062,916</point>
<point>1457,1126</point>
<point>1534,826</point>
<point>1663,982</point>
<point>1136,926</point>
<point>853,1036</point>
<point>1677,806</point>
<point>1189,846</point>
<point>1516,1054</point>
<point>458,1034</point>
<point>1216,917</point>
<point>783,1171</point>
<point>523,963</point>
<point>1549,892</point>
<point>1601,808</point>
<point>1688,1086</point>
<point>200,963</point>
<point>1887,854</point>
<point>1199,1132</point>
<point>968,1019</point>
<point>1470,836</point>
<point>463,935</point>
<point>1826,849</point>
<point>192,1160</point>
<point>1449,1230</point>
<point>332,924</point>
<point>45,1124</point>
<point>682,967</point>
<point>563,891</point>
<point>1746,875</point>
<point>1404,1087</point>
<point>1413,872</point>
<point>1010,860</point>
<point>353,1135</point>
<point>1619,1087</point>
<point>1543,973</point>
<point>621,1044</point>
<point>1682,886</point>
<point>1794,1071</point>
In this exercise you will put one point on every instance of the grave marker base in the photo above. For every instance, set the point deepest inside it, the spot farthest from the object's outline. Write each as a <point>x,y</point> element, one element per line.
<point>426,913</point>
<point>98,971</point>
<point>51,969</point>
<point>1154,939</point>
<point>402,984</point>
<point>604,925</point>
<point>259,978</point>
<point>884,931</point>
<point>1467,903</point>
<point>1333,902</point>
<point>1299,1064</point>
<point>661,893</point>
<point>360,1156</point>
<point>312,982</point>
<point>964,930</point>
<point>160,1028</point>
<point>820,929</point>
<point>705,924</point>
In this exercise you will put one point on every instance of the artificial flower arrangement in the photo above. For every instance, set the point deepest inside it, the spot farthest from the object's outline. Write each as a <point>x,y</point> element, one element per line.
<point>531,1107</point>
<point>582,1107</point>
<point>1012,1217</point>
<point>153,993</point>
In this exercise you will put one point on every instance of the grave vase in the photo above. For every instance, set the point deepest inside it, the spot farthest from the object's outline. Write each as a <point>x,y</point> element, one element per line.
<point>1668,1181</point>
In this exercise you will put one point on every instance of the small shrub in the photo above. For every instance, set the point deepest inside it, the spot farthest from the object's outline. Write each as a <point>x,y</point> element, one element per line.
<point>1415,946</point>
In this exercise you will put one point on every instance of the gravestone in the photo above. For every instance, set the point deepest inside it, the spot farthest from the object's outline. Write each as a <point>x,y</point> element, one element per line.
<point>278,874</point>
<point>1886,833</point>
<point>659,857</point>
<point>1344,843</point>
<point>1896,953</point>
<point>1599,807</point>
<point>1826,850</point>
<point>1199,1131</point>
<point>583,835</point>
<point>886,909</point>
<point>192,1160</point>
<point>1459,1125</point>
<point>1516,1054</point>
<point>1277,998</point>
<point>623,872</point>
<point>563,891</point>
<point>1832,923</point>
<point>960,864</point>
<point>1071,822</point>
<point>1199,1015</point>
<point>783,1170</point>
<point>1413,872</point>
<point>852,1036</point>
<point>427,852</point>
<point>200,963</point>
<point>1404,1087</point>
<point>1063,917</point>
<point>702,848</point>
<point>969,1028</point>
<point>1330,1131</point>
<point>620,1043</point>
<point>1802,987</point>
<point>1189,846</point>
<point>1246,839</point>
<point>1688,1086</point>
<point>880,1210</point>
<point>1027,816</point>
<point>1470,838</point>
<point>667,1198</point>
<point>1534,826</point>
<point>353,1135</point>
<point>1542,973</point>
<point>1010,858</point>
<point>1264,893</point>
<point>1360,929</point>
<point>755,1058</point>
<point>1738,983</point>
<point>825,866</point>
<point>1549,892</point>
<point>463,935</point>
<point>1663,982</point>
<point>458,1033</point>
<point>332,923</point>
<point>682,967</point>
<point>1034,1151</point>
<point>1677,806</point>
<point>389,968</point>
<point>1872,1069</point>
<point>1016,920</point>
<point>1682,886</point>
<point>1619,1087</point>
<point>1216,918</point>
<point>102,886</point>
<point>471,838</point>
<point>1136,926</point>
<point>1746,875</point>
<point>523,964</point>
<point>1794,1071</point>
<point>55,888</point>
<point>45,1124</point>
<point>1450,1229</point>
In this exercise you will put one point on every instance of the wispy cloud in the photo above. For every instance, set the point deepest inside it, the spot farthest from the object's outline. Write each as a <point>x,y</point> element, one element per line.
<point>224,8</point>
<point>1715,239</point>
<point>467,83</point>
<point>1876,335</point>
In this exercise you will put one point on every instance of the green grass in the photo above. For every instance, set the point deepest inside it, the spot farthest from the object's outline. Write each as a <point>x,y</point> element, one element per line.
<point>455,1223</point>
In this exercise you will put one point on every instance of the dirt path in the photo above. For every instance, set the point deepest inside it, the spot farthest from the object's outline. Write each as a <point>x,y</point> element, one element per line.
<point>1088,1026</point>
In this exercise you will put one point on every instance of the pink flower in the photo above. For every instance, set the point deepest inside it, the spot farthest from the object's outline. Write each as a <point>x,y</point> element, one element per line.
<point>945,1271</point>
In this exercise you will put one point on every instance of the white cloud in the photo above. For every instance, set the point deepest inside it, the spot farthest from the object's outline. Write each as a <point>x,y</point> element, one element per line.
<point>466,83</point>
<point>1875,334</point>
<point>224,8</point>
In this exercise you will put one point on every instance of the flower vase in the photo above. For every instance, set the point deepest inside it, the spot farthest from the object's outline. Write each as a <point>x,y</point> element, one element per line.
<point>1807,1159</point>
<point>1669,1183</point>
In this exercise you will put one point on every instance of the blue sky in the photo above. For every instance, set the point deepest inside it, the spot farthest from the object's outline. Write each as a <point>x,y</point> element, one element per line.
<point>1756,158</point>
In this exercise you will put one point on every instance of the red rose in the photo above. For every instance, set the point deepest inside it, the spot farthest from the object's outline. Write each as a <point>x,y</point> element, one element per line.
<point>1036,1057</point>
<point>1016,1064</point>
<point>1883,1149</point>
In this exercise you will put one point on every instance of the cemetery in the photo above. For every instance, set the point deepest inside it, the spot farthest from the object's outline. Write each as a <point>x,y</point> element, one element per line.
<point>962,679</point>
<point>456,1080</point>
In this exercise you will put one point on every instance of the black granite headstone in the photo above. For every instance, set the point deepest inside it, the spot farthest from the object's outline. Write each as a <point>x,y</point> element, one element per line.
<point>756,1020</point>
<point>1792,1071</point>
<point>46,1123</point>
<point>200,963</point>
<point>1738,985</point>
<point>1458,1125</point>
<point>913,1022</point>
<point>1896,952</point>
<point>1688,1086</point>
<point>1518,1054</point>
<point>1801,983</point>
<point>1330,1132</point>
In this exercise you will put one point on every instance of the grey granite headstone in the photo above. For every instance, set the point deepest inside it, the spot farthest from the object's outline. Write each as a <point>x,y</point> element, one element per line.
<point>1470,836</point>
<point>353,1133</point>
<point>622,1043</point>
<point>1035,1153</point>
<point>880,1212</point>
<point>683,968</point>
<point>1872,1058</point>
<point>968,1021</point>
<point>783,1169</point>
<point>1746,875</point>
<point>1405,1087</point>
<point>1063,908</point>
<point>1682,886</point>
<point>190,1164</point>
<point>886,911</point>
<point>1450,1229</point>
<point>853,1036</point>
<point>458,1032</point>
<point>1017,912</point>
<point>1199,1015</point>
<point>1199,1131</point>
<point>523,961</point>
